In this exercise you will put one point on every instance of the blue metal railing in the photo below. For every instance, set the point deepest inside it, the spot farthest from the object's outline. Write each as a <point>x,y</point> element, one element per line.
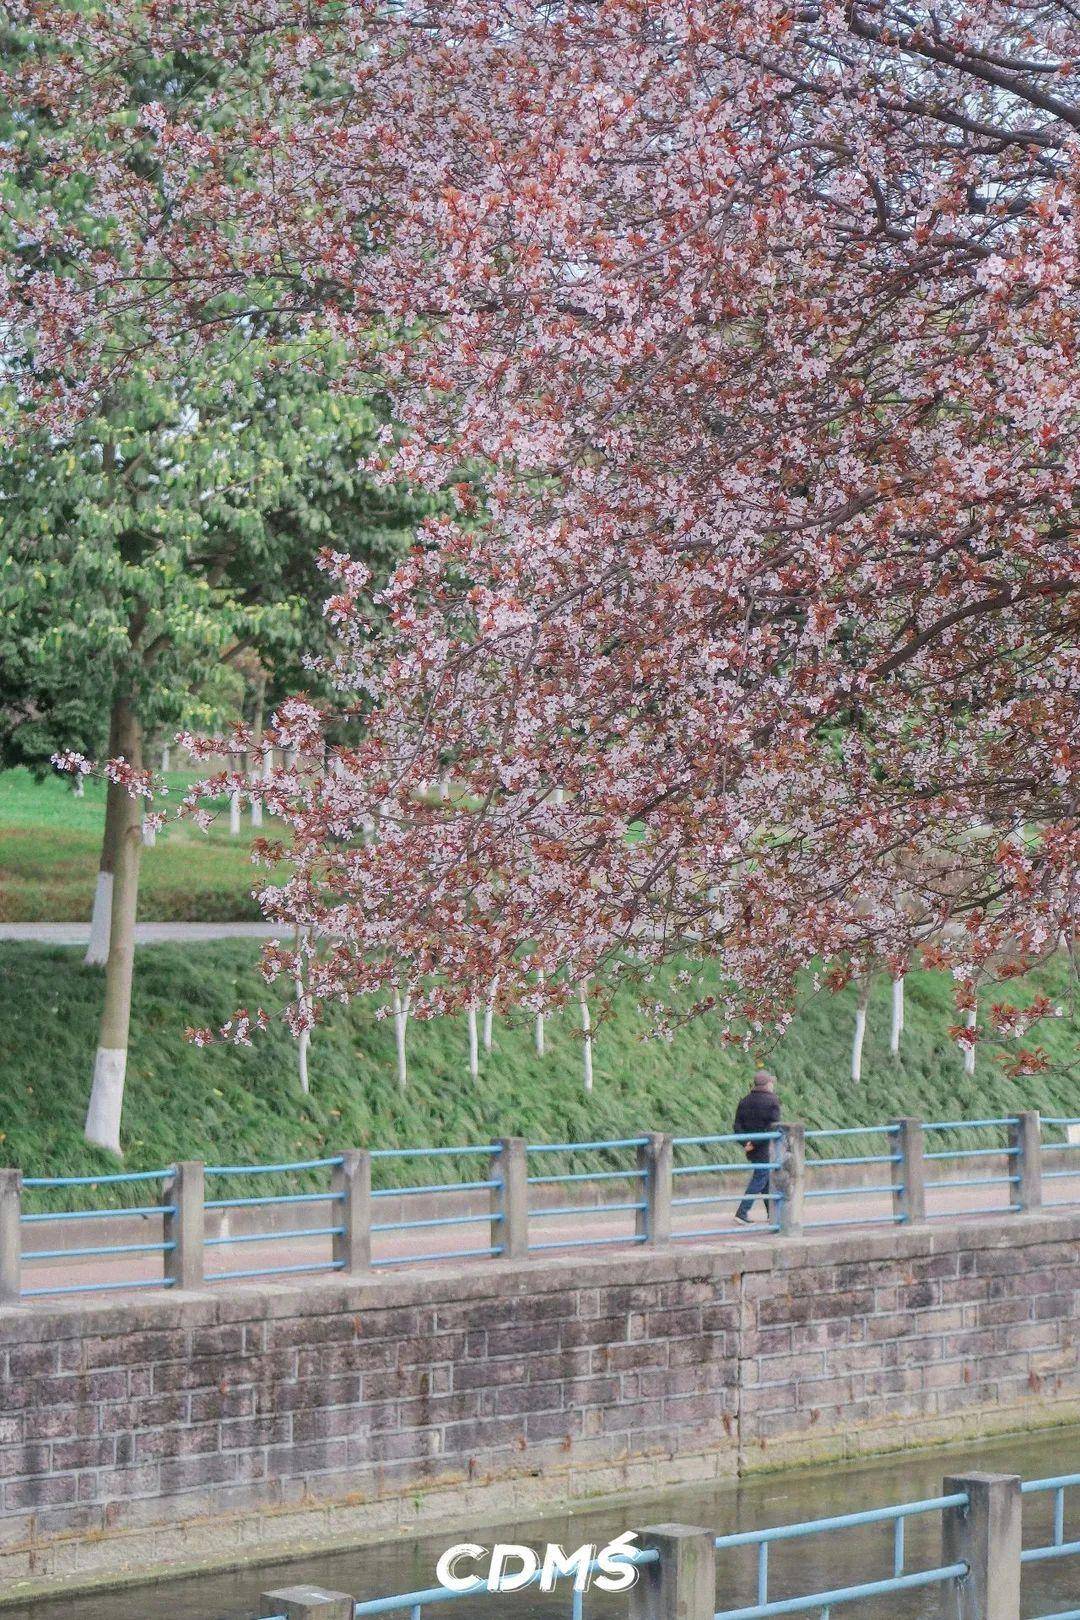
<point>892,1187</point>
<point>416,1601</point>
<point>492,1183</point>
<point>710,1166</point>
<point>577,1177</point>
<point>1057,1546</point>
<point>1072,1172</point>
<point>952,1154</point>
<point>896,1577</point>
<point>98,1250</point>
<point>901,1580</point>
<point>601,1163</point>
<point>268,1201</point>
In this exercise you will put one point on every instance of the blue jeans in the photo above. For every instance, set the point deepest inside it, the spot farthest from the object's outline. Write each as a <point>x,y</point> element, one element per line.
<point>756,1187</point>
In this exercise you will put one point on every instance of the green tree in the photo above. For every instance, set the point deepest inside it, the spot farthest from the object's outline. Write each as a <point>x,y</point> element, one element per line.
<point>174,534</point>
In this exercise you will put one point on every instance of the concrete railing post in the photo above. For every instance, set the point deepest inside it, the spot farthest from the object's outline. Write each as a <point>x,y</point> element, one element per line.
<point>10,1236</point>
<point>985,1535</point>
<point>510,1199</point>
<point>307,1603</point>
<point>185,1226</point>
<point>681,1584</point>
<point>1025,1137</point>
<point>350,1182</point>
<point>909,1176</point>
<point>654,1162</point>
<point>790,1177</point>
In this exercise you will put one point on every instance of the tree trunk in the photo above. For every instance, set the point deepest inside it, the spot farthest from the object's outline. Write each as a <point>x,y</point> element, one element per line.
<point>586,1025</point>
<point>540,1023</point>
<point>401,1018</point>
<point>110,1064</point>
<point>969,1047</point>
<point>234,802</point>
<point>897,1015</point>
<point>489,1014</point>
<point>256,801</point>
<point>257,730</point>
<point>164,757</point>
<point>474,1055</point>
<point>860,1030</point>
<point>304,1038</point>
<point>79,786</point>
<point>97,951</point>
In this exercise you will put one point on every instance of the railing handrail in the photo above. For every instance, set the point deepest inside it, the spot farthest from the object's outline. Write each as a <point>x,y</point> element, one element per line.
<point>650,1176</point>
<point>981,1551</point>
<point>444,1594</point>
<point>842,1521</point>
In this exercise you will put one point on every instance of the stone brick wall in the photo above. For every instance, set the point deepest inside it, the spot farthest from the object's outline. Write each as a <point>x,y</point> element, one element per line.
<point>176,1431</point>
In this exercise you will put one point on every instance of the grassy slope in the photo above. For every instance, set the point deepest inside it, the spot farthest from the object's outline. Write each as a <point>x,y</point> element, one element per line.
<point>244,1105</point>
<point>50,843</point>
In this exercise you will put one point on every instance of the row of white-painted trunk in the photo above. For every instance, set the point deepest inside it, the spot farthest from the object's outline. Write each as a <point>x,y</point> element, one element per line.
<point>897,1027</point>
<point>401,1005</point>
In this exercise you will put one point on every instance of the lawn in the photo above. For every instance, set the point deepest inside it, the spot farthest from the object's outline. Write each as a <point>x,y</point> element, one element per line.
<point>50,842</point>
<point>244,1105</point>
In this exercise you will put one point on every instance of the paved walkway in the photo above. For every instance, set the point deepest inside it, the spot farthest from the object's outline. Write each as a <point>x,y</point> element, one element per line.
<point>151,933</point>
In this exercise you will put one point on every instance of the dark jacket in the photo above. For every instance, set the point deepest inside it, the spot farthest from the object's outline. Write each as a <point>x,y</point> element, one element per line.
<point>758,1111</point>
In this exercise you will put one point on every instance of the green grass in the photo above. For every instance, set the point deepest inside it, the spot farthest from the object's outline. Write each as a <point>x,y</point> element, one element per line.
<point>50,843</point>
<point>244,1105</point>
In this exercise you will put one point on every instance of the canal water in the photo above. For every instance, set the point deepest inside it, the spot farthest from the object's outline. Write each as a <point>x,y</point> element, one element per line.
<point>834,1559</point>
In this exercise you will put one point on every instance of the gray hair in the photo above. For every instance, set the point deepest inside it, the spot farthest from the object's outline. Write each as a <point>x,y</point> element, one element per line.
<point>764,1081</point>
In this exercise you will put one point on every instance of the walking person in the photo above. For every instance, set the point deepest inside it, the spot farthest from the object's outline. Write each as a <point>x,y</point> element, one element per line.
<point>757,1113</point>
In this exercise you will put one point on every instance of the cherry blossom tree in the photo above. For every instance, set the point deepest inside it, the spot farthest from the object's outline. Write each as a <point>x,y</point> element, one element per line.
<point>745,336</point>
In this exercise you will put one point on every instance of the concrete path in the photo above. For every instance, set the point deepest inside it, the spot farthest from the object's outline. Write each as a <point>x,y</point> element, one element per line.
<point>151,933</point>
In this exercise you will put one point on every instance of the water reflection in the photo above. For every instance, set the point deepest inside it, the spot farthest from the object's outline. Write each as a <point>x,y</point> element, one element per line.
<point>835,1559</point>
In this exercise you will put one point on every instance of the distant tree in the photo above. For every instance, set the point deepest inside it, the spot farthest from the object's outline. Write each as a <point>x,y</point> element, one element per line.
<point>170,535</point>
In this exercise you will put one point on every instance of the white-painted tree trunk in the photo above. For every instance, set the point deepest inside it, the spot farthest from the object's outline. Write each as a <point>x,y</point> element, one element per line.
<point>969,1048</point>
<point>586,1025</point>
<point>539,1026</point>
<point>857,1044</point>
<point>79,787</point>
<point>897,1027</point>
<point>489,1015</point>
<point>106,1098</point>
<point>860,1031</point>
<point>256,802</point>
<point>304,1039</point>
<point>165,757</point>
<point>401,1019</point>
<point>234,814</point>
<point>105,1108</point>
<point>149,835</point>
<point>97,951</point>
<point>474,1053</point>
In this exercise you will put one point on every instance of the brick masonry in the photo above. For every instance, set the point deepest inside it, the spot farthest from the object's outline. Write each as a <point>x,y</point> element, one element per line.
<point>178,1432</point>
